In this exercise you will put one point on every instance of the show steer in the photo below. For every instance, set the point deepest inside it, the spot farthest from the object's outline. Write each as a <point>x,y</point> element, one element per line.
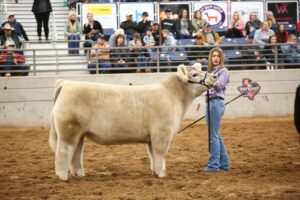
<point>114,114</point>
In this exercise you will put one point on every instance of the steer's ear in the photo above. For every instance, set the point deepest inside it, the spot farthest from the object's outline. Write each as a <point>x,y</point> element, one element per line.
<point>197,66</point>
<point>182,73</point>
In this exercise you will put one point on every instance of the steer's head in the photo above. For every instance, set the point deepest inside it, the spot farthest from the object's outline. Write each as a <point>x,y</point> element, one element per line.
<point>195,76</point>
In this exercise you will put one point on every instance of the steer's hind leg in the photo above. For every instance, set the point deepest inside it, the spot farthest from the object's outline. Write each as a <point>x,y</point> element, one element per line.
<point>150,153</point>
<point>160,148</point>
<point>77,160</point>
<point>64,154</point>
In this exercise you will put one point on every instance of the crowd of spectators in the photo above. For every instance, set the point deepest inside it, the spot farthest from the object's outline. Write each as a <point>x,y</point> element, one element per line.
<point>132,44</point>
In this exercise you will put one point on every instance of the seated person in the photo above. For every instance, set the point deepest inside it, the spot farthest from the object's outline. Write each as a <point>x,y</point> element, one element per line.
<point>148,40</point>
<point>291,50</point>
<point>101,52</point>
<point>282,35</point>
<point>16,26</point>
<point>155,32</point>
<point>112,38</point>
<point>140,56</point>
<point>91,29</point>
<point>271,51</point>
<point>196,53</point>
<point>135,36</point>
<point>12,61</point>
<point>119,56</point>
<point>253,24</point>
<point>209,37</point>
<point>144,24</point>
<point>168,40</point>
<point>251,54</point>
<point>129,26</point>
<point>263,34</point>
<point>183,25</point>
<point>9,35</point>
<point>236,27</point>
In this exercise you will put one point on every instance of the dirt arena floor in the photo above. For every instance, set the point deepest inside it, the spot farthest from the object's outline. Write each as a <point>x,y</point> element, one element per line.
<point>264,155</point>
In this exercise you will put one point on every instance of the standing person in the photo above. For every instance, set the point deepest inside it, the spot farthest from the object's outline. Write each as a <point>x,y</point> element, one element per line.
<point>72,32</point>
<point>218,158</point>
<point>41,10</point>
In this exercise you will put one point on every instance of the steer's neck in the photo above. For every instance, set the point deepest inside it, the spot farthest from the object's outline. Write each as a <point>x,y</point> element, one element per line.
<point>180,90</point>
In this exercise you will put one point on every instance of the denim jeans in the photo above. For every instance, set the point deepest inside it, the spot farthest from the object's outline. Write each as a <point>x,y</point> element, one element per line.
<point>218,155</point>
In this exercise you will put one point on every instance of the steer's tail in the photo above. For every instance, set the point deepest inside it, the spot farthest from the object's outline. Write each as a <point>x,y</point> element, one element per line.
<point>53,134</point>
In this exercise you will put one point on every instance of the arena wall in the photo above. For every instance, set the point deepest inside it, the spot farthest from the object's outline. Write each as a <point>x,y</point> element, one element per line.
<point>27,101</point>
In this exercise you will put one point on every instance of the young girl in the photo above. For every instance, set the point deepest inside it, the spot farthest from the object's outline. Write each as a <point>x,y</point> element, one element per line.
<point>218,158</point>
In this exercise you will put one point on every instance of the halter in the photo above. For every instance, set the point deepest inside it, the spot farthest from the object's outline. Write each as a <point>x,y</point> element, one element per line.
<point>201,82</point>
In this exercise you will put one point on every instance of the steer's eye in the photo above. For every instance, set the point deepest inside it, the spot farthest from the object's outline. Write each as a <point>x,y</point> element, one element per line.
<point>195,75</point>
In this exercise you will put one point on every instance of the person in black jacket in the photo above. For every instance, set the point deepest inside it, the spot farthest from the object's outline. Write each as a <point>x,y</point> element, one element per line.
<point>183,24</point>
<point>41,10</point>
<point>92,30</point>
<point>17,26</point>
<point>129,26</point>
<point>10,35</point>
<point>144,24</point>
<point>168,23</point>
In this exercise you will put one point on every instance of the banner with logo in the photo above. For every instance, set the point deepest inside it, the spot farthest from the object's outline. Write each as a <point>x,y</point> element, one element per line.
<point>285,12</point>
<point>106,14</point>
<point>245,8</point>
<point>214,12</point>
<point>175,7</point>
<point>136,9</point>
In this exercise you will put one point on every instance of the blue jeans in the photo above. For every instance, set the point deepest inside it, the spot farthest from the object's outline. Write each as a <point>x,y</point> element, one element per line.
<point>101,65</point>
<point>73,44</point>
<point>218,155</point>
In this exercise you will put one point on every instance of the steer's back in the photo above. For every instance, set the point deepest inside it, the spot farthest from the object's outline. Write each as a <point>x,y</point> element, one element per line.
<point>115,114</point>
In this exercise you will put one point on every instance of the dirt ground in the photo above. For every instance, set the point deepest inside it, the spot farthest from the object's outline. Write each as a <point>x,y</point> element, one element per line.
<point>264,155</point>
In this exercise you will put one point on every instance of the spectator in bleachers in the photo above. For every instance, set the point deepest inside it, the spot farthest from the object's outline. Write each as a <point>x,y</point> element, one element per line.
<point>148,39</point>
<point>282,35</point>
<point>209,37</point>
<point>253,24</point>
<point>263,34</point>
<point>298,28</point>
<point>9,35</point>
<point>132,42</point>
<point>168,41</point>
<point>251,54</point>
<point>120,56</point>
<point>72,4</point>
<point>183,25</point>
<point>140,56</point>
<point>198,22</point>
<point>12,61</point>
<point>144,24</point>
<point>17,26</point>
<point>197,54</point>
<point>155,33</point>
<point>168,22</point>
<point>271,21</point>
<point>291,50</point>
<point>271,51</point>
<point>101,52</point>
<point>129,26</point>
<point>112,38</point>
<point>236,27</point>
<point>92,29</point>
<point>72,32</point>
<point>42,10</point>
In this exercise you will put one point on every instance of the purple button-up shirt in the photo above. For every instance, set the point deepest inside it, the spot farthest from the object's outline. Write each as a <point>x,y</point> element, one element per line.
<point>223,80</point>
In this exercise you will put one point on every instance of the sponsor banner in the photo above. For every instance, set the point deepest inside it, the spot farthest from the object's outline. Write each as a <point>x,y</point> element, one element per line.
<point>175,8</point>
<point>285,12</point>
<point>245,8</point>
<point>215,12</point>
<point>136,9</point>
<point>106,14</point>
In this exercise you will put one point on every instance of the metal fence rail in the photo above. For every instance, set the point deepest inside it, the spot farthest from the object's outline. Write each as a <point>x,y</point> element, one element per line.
<point>146,59</point>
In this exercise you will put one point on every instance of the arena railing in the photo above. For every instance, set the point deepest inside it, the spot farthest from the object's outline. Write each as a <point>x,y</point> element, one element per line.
<point>56,61</point>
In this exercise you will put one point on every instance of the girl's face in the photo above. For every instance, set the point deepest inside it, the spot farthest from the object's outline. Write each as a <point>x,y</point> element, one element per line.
<point>273,40</point>
<point>184,13</point>
<point>120,40</point>
<point>198,15</point>
<point>235,16</point>
<point>281,28</point>
<point>265,26</point>
<point>216,59</point>
<point>73,17</point>
<point>165,34</point>
<point>253,16</point>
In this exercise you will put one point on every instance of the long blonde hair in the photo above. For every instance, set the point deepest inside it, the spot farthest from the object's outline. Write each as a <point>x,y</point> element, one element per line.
<point>221,53</point>
<point>72,26</point>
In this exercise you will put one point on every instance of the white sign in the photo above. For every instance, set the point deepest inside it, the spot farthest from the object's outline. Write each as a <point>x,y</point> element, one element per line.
<point>106,14</point>
<point>136,9</point>
<point>214,12</point>
<point>245,8</point>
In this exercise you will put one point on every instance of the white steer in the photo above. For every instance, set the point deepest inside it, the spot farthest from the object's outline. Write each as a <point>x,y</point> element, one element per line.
<point>114,114</point>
